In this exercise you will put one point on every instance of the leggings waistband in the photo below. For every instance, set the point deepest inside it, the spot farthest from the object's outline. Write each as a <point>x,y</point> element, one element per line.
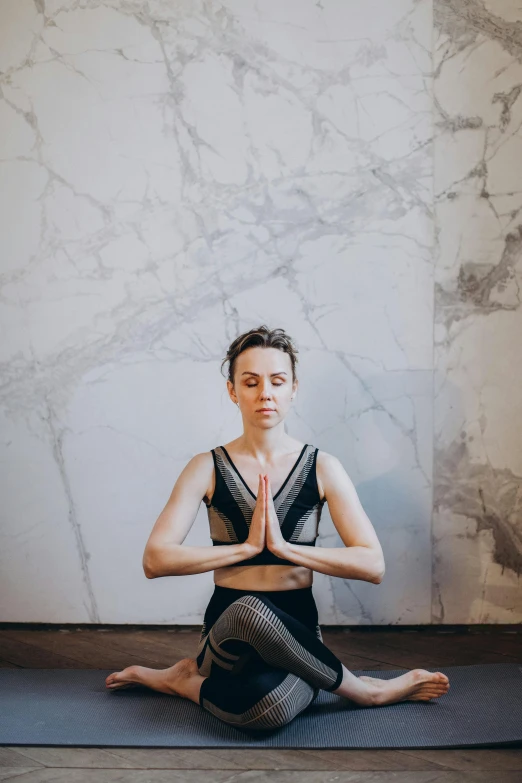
<point>227,591</point>
<point>299,603</point>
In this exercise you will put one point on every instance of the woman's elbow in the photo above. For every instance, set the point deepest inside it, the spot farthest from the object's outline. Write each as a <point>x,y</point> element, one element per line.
<point>379,573</point>
<point>150,563</point>
<point>147,569</point>
<point>162,560</point>
<point>376,567</point>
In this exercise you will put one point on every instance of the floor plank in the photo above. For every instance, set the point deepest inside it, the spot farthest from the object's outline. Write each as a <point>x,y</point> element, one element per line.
<point>50,775</point>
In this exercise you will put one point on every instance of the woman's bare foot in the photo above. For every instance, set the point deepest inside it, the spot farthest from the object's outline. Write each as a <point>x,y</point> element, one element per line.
<point>182,679</point>
<point>415,685</point>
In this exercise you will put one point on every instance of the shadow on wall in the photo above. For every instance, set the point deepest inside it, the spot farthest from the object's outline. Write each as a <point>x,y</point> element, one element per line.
<point>430,485</point>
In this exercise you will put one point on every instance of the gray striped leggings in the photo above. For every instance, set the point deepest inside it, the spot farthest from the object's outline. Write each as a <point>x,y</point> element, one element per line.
<point>263,656</point>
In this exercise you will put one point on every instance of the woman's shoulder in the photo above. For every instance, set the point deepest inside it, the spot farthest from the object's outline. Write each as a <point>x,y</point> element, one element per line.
<point>202,463</point>
<point>327,467</point>
<point>324,458</point>
<point>202,458</point>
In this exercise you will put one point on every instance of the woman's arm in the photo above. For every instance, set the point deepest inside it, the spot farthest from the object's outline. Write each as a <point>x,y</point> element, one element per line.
<point>164,553</point>
<point>179,560</point>
<point>355,562</point>
<point>362,556</point>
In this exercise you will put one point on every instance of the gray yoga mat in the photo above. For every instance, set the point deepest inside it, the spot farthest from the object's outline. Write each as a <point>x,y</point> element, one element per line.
<point>483,707</point>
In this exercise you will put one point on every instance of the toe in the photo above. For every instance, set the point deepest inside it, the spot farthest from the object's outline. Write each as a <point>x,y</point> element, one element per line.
<point>112,678</point>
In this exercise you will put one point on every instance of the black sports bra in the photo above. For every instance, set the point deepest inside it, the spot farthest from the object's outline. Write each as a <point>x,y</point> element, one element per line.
<point>297,503</point>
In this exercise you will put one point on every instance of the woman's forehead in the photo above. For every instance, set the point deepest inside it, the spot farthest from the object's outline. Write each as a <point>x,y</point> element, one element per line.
<point>264,361</point>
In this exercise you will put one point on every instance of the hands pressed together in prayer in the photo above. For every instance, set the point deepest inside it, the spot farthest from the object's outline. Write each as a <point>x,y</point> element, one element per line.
<point>264,527</point>
<point>357,561</point>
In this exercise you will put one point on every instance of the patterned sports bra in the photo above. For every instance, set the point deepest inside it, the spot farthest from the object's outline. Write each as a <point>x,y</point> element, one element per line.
<point>297,503</point>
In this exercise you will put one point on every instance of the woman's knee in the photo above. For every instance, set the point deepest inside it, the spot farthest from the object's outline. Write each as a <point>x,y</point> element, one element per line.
<point>254,613</point>
<point>283,704</point>
<point>268,699</point>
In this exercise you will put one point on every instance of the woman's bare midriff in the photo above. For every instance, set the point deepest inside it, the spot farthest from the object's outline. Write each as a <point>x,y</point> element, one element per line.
<point>264,577</point>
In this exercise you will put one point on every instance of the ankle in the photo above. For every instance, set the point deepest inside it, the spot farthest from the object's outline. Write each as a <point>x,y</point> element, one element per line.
<point>365,694</point>
<point>185,679</point>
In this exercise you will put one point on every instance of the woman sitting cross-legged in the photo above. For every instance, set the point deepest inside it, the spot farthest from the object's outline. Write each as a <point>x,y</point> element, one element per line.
<point>261,659</point>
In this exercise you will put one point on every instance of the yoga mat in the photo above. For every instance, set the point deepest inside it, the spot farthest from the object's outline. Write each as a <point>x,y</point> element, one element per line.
<point>72,707</point>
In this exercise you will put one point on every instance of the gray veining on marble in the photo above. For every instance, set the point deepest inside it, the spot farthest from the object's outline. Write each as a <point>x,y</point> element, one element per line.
<point>477,524</point>
<point>175,173</point>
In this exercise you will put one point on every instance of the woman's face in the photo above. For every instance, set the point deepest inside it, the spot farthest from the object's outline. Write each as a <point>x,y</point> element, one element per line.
<point>263,380</point>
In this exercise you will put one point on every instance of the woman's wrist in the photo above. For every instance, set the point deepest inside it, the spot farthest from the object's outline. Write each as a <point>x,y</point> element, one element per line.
<point>250,550</point>
<point>280,549</point>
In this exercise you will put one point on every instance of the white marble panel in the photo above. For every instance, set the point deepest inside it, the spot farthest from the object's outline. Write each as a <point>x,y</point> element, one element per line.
<point>173,174</point>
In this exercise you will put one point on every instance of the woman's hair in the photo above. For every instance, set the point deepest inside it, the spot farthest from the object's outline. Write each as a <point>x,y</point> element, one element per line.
<point>265,338</point>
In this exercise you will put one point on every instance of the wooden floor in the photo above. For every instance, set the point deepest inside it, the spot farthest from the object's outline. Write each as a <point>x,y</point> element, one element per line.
<point>87,648</point>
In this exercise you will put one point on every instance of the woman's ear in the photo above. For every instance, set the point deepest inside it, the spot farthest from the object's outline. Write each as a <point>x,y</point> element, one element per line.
<point>230,388</point>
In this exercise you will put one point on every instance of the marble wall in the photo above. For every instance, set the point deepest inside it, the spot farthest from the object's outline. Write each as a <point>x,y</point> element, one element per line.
<point>174,173</point>
<point>477,497</point>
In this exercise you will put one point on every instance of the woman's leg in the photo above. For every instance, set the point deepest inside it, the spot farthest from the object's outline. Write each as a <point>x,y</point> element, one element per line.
<point>182,679</point>
<point>266,698</point>
<point>253,626</point>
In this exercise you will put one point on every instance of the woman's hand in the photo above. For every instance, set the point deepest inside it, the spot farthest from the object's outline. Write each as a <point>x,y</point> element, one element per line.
<point>274,538</point>
<point>257,532</point>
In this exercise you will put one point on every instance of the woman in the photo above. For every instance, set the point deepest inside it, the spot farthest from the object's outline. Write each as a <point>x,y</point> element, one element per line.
<point>261,660</point>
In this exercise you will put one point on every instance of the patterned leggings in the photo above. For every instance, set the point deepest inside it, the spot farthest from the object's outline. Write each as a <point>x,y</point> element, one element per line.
<point>263,656</point>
